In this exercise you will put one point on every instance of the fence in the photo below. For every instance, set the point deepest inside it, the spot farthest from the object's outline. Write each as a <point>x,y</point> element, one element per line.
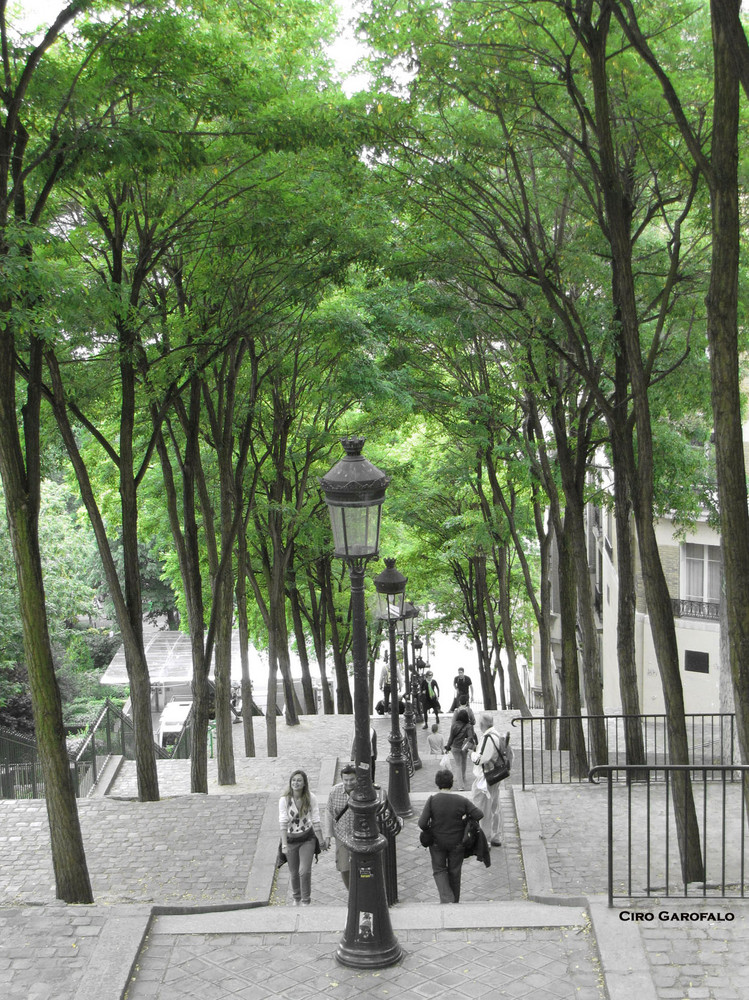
<point>711,737</point>
<point>20,771</point>
<point>644,859</point>
<point>20,768</point>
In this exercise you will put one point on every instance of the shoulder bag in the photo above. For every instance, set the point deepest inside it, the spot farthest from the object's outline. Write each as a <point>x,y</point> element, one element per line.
<point>498,769</point>
<point>426,837</point>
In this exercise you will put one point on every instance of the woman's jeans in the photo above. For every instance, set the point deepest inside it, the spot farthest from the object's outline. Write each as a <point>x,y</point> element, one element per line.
<point>299,857</point>
<point>446,865</point>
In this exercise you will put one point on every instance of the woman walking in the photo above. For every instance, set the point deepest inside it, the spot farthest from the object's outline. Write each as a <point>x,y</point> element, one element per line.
<point>444,816</point>
<point>301,834</point>
<point>462,738</point>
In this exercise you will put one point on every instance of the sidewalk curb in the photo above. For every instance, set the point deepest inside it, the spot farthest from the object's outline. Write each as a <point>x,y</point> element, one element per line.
<point>108,972</point>
<point>624,963</point>
<point>418,916</point>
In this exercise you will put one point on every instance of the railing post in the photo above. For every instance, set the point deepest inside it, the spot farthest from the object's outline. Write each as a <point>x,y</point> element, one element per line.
<point>610,834</point>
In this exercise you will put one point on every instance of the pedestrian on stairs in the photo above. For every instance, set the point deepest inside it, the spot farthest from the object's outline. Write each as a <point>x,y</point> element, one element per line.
<point>444,815</point>
<point>301,835</point>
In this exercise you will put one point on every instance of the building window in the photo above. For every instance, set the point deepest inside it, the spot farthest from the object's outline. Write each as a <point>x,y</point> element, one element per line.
<point>697,662</point>
<point>702,573</point>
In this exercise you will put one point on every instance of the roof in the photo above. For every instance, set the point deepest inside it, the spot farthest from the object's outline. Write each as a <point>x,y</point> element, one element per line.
<point>169,657</point>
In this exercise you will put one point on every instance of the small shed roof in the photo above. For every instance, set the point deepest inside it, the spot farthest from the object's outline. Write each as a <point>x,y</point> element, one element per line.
<point>169,658</point>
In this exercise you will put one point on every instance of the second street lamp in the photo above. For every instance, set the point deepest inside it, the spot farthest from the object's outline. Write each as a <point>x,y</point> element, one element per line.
<point>391,587</point>
<point>406,631</point>
<point>354,491</point>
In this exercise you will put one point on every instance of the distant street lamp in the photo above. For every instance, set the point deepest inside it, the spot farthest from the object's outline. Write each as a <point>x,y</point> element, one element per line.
<point>418,672</point>
<point>406,631</point>
<point>354,492</point>
<point>391,587</point>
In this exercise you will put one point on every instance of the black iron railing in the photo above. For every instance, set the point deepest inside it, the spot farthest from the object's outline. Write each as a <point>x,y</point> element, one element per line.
<point>644,856</point>
<point>545,753</point>
<point>709,610</point>
<point>110,733</point>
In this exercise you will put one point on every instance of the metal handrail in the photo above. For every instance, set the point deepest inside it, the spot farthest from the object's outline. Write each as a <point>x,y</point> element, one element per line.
<point>642,828</point>
<point>711,736</point>
<point>111,732</point>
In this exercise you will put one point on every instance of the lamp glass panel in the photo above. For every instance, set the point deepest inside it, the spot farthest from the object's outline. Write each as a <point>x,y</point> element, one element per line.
<point>356,530</point>
<point>406,626</point>
<point>390,606</point>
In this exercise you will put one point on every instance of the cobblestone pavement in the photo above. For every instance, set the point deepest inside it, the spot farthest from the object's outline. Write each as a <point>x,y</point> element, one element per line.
<point>454,964</point>
<point>191,849</point>
<point>51,969</point>
<point>708,959</point>
<point>574,821</point>
<point>502,880</point>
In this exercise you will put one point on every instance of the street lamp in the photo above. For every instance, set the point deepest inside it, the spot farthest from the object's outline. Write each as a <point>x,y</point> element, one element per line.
<point>354,491</point>
<point>406,631</point>
<point>418,668</point>
<point>391,587</point>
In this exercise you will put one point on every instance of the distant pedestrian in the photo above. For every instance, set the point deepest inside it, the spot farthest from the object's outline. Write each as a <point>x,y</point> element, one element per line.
<point>435,741</point>
<point>340,823</point>
<point>486,796</point>
<point>430,698</point>
<point>463,703</point>
<point>461,740</point>
<point>385,678</point>
<point>445,816</point>
<point>463,687</point>
<point>301,834</point>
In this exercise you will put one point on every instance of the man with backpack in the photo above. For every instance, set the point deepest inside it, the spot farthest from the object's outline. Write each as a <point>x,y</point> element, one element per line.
<point>492,750</point>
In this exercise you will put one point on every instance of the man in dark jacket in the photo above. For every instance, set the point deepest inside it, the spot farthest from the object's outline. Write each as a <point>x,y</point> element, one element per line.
<point>430,698</point>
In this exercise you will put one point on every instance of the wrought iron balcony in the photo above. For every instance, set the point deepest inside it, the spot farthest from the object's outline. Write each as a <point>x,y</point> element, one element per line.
<point>707,610</point>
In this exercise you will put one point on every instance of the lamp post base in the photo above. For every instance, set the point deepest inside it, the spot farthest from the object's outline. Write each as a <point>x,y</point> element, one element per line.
<point>368,941</point>
<point>398,784</point>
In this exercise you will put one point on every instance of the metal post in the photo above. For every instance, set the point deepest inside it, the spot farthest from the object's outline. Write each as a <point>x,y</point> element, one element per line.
<point>408,716</point>
<point>398,794</point>
<point>368,941</point>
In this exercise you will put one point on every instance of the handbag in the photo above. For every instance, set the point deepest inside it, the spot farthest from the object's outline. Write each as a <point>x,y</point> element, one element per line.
<point>470,834</point>
<point>498,769</point>
<point>426,837</point>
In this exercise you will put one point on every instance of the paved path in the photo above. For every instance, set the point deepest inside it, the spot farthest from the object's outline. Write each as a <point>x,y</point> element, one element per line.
<point>206,859</point>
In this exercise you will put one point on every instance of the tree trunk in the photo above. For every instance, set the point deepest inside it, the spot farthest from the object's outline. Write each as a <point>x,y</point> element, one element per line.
<point>571,734</point>
<point>626,610</point>
<point>722,332</point>
<point>135,661</point>
<point>21,482</point>
<point>301,645</point>
<point>271,722</point>
<point>248,725</point>
<point>618,213</point>
<point>343,690</point>
<point>517,697</point>
<point>481,598</point>
<point>548,691</point>
<point>318,620</point>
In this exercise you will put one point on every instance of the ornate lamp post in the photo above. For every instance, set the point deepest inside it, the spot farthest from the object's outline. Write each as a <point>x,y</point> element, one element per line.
<point>418,671</point>
<point>354,492</point>
<point>406,631</point>
<point>391,587</point>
